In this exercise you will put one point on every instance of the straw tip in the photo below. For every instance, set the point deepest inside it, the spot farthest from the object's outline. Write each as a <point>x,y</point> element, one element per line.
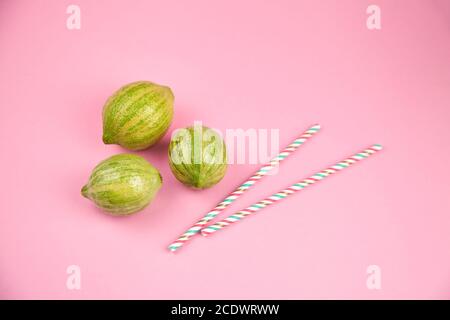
<point>378,146</point>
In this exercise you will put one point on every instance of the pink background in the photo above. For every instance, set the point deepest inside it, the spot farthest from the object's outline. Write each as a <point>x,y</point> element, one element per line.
<point>232,64</point>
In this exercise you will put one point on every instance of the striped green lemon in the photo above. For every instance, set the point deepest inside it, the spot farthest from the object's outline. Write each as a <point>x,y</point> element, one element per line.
<point>137,115</point>
<point>197,156</point>
<point>123,184</point>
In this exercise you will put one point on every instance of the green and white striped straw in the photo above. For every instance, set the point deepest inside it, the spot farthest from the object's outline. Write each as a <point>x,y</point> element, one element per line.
<point>277,197</point>
<point>243,187</point>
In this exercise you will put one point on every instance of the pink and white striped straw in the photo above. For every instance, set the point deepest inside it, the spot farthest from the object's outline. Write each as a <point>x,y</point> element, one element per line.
<point>243,187</point>
<point>277,197</point>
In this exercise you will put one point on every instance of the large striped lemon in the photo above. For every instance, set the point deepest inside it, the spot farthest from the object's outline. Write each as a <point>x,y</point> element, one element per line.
<point>123,184</point>
<point>137,115</point>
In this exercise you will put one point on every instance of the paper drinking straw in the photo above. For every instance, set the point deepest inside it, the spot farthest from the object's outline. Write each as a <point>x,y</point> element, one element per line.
<point>277,197</point>
<point>243,187</point>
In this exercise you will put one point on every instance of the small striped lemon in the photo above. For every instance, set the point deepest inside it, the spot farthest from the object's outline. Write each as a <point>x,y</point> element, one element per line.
<point>197,156</point>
